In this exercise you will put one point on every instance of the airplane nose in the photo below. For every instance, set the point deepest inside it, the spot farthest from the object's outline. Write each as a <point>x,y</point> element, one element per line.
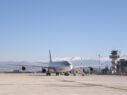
<point>68,64</point>
<point>71,66</point>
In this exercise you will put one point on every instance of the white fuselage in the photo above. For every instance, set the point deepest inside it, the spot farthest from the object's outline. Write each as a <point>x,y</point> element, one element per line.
<point>59,66</point>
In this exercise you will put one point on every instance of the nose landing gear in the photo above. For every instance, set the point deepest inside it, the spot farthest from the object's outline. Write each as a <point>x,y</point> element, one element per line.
<point>66,74</point>
<point>57,74</point>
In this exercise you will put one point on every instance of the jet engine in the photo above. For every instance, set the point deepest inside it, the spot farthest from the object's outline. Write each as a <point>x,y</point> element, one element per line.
<point>23,68</point>
<point>44,70</point>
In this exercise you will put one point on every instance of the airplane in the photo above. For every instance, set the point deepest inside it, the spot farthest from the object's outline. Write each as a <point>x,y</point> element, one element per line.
<point>57,67</point>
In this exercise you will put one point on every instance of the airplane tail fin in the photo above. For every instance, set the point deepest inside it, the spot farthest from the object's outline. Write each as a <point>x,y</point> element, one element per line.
<point>50,56</point>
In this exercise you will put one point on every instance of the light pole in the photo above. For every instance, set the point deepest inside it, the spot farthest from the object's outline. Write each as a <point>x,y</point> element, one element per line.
<point>99,56</point>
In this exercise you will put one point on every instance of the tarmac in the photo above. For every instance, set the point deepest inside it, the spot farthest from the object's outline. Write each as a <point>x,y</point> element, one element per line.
<point>38,84</point>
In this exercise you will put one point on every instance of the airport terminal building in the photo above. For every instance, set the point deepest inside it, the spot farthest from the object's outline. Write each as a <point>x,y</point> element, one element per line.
<point>122,66</point>
<point>119,62</point>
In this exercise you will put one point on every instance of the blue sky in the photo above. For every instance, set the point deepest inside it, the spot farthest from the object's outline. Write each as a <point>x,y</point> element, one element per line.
<point>29,28</point>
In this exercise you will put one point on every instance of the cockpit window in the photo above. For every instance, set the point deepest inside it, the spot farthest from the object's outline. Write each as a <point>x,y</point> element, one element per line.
<point>66,63</point>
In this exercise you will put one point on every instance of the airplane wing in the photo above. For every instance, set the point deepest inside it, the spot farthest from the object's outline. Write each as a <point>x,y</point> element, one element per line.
<point>28,65</point>
<point>40,66</point>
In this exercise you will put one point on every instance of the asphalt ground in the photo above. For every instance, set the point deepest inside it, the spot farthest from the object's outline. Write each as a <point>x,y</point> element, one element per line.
<point>38,84</point>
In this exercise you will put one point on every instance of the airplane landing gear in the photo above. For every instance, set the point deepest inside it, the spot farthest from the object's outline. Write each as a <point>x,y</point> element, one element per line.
<point>48,74</point>
<point>66,74</point>
<point>57,74</point>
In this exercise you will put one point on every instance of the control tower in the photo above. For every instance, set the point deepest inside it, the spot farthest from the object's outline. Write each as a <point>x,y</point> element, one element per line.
<point>114,56</point>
